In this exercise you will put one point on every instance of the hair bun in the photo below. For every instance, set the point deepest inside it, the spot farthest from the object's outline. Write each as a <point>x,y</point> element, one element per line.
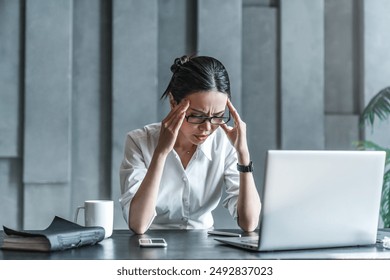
<point>179,62</point>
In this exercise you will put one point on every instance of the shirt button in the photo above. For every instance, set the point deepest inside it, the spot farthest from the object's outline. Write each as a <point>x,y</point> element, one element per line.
<point>184,179</point>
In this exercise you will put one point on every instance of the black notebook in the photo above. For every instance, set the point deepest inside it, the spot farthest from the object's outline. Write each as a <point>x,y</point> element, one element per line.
<point>60,235</point>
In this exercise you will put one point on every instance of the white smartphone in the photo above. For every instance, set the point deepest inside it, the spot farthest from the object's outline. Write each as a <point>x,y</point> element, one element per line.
<point>152,242</point>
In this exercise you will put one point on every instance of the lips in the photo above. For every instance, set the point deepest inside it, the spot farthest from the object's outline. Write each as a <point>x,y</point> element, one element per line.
<point>202,137</point>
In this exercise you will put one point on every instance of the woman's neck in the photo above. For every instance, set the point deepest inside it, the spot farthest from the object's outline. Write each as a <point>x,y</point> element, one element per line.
<point>187,148</point>
<point>183,144</point>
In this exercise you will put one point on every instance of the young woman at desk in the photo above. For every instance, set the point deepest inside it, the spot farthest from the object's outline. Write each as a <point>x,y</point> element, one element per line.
<point>173,173</point>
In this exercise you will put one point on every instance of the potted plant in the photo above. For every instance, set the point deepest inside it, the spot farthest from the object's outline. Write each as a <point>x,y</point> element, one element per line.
<point>379,108</point>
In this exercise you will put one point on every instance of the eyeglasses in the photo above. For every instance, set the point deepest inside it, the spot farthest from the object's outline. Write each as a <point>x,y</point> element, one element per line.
<point>212,120</point>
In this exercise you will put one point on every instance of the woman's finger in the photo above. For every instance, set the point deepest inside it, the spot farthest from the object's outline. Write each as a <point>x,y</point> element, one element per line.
<point>225,127</point>
<point>233,111</point>
<point>176,113</point>
<point>178,120</point>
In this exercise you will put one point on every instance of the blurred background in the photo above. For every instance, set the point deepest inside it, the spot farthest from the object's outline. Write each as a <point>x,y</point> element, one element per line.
<point>77,75</point>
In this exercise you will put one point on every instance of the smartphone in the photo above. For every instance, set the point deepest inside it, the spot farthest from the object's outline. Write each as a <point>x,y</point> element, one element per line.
<point>152,242</point>
<point>223,233</point>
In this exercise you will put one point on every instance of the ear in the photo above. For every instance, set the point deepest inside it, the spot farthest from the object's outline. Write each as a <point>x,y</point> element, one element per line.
<point>172,101</point>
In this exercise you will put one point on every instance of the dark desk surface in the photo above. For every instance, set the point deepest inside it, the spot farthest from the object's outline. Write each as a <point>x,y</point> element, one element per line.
<point>193,244</point>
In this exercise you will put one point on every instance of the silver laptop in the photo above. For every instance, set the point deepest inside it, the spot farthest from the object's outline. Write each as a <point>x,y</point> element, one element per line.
<point>318,199</point>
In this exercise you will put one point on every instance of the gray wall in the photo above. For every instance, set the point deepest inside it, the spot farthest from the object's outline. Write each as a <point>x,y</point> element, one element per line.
<point>75,76</point>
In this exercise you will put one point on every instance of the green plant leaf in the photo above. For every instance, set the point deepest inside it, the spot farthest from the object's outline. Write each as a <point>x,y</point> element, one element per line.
<point>385,202</point>
<point>379,106</point>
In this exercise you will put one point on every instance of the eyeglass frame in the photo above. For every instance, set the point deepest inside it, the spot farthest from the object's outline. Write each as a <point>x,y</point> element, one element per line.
<point>208,119</point>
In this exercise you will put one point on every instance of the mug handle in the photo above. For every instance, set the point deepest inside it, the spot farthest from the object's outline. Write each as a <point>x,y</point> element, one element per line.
<point>77,213</point>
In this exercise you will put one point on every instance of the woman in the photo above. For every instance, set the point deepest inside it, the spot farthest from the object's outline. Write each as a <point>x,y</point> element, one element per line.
<point>173,173</point>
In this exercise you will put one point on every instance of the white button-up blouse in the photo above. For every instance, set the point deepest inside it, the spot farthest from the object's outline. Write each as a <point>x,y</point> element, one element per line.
<point>186,196</point>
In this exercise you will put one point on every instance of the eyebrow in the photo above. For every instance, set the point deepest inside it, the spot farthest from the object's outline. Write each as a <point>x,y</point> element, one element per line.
<point>200,111</point>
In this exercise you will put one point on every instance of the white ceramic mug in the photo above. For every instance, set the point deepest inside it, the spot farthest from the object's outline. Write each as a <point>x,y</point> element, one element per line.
<point>98,213</point>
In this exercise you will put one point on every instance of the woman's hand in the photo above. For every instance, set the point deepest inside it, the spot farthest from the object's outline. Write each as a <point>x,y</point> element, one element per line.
<point>237,135</point>
<point>170,127</point>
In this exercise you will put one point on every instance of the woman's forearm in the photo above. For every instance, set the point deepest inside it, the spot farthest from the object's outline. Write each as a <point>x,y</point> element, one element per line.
<point>248,205</point>
<point>143,204</point>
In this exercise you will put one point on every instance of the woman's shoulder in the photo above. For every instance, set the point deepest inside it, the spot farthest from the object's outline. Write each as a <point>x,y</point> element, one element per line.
<point>148,131</point>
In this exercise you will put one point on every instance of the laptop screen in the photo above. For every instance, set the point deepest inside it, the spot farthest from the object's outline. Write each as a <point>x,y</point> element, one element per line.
<point>317,199</point>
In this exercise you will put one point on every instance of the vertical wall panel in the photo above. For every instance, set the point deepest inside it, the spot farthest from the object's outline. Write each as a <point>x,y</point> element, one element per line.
<point>11,45</point>
<point>47,111</point>
<point>220,36</point>
<point>10,193</point>
<point>302,74</point>
<point>47,91</point>
<point>10,48</point>
<point>134,77</point>
<point>259,83</point>
<point>342,131</point>
<point>340,94</point>
<point>91,101</point>
<point>341,67</point>
<point>376,72</point>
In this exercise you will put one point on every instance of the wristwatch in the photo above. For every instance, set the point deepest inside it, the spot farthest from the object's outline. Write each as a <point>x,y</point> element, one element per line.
<point>245,168</point>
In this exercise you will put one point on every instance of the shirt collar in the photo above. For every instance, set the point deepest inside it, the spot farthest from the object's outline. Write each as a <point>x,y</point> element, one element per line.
<point>206,147</point>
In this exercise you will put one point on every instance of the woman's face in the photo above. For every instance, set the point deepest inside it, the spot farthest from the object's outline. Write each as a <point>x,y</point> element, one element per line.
<point>202,104</point>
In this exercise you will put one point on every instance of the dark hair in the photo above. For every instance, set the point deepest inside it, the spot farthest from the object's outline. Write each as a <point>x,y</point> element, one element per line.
<point>193,74</point>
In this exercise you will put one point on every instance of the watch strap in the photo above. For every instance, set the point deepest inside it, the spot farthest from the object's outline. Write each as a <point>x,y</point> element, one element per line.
<point>245,168</point>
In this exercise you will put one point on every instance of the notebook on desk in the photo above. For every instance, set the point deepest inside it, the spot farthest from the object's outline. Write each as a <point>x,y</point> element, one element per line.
<point>318,199</point>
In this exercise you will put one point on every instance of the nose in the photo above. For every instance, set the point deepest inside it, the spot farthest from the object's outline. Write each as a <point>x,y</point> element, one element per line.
<point>206,126</point>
